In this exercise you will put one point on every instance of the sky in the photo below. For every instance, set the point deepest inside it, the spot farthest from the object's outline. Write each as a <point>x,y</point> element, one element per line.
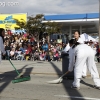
<point>48,7</point>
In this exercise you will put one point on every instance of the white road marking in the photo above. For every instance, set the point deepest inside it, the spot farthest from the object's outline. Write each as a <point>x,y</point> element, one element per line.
<point>75,97</point>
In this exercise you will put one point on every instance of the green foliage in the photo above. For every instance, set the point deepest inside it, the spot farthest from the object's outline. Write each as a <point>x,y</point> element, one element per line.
<point>52,27</point>
<point>34,25</point>
<point>20,23</point>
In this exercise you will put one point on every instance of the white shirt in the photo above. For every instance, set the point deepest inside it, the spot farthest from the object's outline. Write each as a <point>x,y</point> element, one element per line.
<point>80,40</point>
<point>66,48</point>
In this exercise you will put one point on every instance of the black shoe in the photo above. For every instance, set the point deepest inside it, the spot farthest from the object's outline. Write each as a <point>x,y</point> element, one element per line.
<point>96,87</point>
<point>76,88</point>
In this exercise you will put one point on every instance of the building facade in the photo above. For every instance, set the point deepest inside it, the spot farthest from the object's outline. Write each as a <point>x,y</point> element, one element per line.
<point>85,23</point>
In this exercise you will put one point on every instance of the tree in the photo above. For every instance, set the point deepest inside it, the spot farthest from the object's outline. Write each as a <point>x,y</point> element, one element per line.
<point>34,23</point>
<point>52,27</point>
<point>20,23</point>
<point>35,26</point>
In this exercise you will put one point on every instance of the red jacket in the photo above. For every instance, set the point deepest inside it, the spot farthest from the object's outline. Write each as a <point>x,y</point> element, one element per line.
<point>29,50</point>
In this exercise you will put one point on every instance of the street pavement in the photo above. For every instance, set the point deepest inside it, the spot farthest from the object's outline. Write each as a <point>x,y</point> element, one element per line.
<point>38,88</point>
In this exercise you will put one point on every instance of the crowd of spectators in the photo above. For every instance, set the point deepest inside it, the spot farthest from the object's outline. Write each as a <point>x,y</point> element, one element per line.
<point>95,47</point>
<point>26,47</point>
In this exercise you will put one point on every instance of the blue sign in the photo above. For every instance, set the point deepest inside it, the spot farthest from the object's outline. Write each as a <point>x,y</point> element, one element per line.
<point>8,19</point>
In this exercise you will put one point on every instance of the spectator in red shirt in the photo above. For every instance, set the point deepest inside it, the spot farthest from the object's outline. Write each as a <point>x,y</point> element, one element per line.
<point>28,51</point>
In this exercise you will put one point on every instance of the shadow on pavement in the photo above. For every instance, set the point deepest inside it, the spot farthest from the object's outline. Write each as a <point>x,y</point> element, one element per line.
<point>7,77</point>
<point>67,85</point>
<point>86,84</point>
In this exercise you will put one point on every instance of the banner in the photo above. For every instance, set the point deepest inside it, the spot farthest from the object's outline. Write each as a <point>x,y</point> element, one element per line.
<point>7,21</point>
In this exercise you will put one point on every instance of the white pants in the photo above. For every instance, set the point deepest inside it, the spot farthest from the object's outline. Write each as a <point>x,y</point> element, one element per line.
<point>87,59</point>
<point>84,72</point>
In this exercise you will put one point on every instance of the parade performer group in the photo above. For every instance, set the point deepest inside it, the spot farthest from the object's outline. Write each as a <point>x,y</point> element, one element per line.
<point>81,58</point>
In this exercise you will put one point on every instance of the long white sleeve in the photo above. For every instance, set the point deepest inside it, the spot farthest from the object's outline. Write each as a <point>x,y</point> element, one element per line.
<point>71,59</point>
<point>66,48</point>
<point>2,46</point>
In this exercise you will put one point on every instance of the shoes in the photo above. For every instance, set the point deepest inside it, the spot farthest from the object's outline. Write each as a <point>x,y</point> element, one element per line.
<point>76,88</point>
<point>97,87</point>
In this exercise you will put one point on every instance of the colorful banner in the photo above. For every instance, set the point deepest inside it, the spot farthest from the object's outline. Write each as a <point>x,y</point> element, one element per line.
<point>7,21</point>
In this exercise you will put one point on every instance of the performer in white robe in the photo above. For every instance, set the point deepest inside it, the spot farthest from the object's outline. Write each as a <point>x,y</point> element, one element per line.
<point>80,40</point>
<point>79,57</point>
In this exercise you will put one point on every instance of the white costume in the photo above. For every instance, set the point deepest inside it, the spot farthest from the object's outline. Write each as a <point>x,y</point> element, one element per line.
<point>84,72</point>
<point>80,40</point>
<point>66,48</point>
<point>84,54</point>
<point>2,50</point>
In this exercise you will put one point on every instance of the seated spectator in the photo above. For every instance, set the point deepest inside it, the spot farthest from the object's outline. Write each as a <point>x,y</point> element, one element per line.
<point>36,55</point>
<point>48,56</point>
<point>43,56</point>
<point>28,52</point>
<point>54,49</point>
<point>21,49</point>
<point>7,49</point>
<point>12,53</point>
<point>20,55</point>
<point>45,47</point>
<point>56,56</point>
<point>51,54</point>
<point>32,53</point>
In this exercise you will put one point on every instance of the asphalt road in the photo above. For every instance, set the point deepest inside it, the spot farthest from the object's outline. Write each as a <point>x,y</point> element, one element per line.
<point>38,89</point>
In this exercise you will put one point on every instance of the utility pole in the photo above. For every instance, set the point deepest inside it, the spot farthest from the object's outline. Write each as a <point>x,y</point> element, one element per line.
<point>99,24</point>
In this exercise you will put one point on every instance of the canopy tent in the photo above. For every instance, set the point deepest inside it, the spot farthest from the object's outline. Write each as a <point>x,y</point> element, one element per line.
<point>83,37</point>
<point>86,37</point>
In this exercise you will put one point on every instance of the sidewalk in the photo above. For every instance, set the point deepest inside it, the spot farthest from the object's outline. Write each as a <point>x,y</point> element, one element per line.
<point>35,67</point>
